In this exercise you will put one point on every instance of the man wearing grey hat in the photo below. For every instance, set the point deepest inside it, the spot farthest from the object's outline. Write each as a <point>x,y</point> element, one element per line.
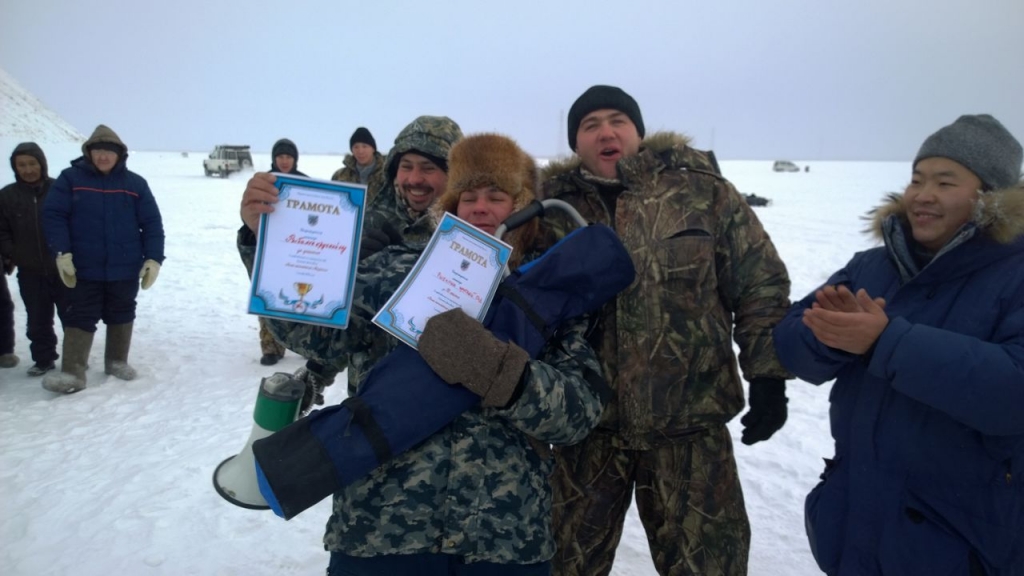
<point>924,337</point>
<point>707,274</point>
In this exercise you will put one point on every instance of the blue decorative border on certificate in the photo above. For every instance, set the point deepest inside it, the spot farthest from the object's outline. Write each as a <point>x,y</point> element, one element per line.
<point>334,313</point>
<point>403,328</point>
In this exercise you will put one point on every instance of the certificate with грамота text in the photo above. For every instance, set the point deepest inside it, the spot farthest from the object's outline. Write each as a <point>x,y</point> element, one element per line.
<point>461,267</point>
<point>306,252</point>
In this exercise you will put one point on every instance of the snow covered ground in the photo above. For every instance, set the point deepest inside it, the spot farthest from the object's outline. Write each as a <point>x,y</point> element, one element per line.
<point>117,479</point>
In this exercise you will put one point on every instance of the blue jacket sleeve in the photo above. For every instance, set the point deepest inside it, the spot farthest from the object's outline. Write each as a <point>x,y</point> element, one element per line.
<point>57,215</point>
<point>800,352</point>
<point>150,224</point>
<point>978,383</point>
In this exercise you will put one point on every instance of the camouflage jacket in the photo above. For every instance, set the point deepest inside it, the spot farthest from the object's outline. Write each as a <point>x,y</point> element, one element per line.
<point>479,487</point>
<point>707,273</point>
<point>378,177</point>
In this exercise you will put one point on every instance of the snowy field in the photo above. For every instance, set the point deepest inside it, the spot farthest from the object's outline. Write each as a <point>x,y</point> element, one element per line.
<point>116,480</point>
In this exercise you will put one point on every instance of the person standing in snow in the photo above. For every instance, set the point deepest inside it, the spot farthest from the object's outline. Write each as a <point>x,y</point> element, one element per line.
<point>284,159</point>
<point>417,172</point>
<point>924,337</point>
<point>22,245</point>
<point>707,273</point>
<point>474,498</point>
<point>364,164</point>
<point>102,222</point>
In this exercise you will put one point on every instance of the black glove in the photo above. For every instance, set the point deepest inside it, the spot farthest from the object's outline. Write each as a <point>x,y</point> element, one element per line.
<point>376,239</point>
<point>462,351</point>
<point>312,376</point>
<point>8,266</point>
<point>767,410</point>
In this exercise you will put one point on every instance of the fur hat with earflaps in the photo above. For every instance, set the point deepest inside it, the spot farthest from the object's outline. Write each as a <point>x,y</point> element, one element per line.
<point>493,160</point>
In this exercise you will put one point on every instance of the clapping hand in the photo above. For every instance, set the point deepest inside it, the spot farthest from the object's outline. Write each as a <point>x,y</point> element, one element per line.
<point>846,321</point>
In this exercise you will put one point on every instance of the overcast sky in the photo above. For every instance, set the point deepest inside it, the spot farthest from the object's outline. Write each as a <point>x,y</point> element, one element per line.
<point>800,79</point>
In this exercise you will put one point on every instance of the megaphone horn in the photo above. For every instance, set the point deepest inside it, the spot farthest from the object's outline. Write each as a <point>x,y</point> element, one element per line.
<point>277,405</point>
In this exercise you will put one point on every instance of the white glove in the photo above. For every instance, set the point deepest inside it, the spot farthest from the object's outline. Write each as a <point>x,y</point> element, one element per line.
<point>150,270</point>
<point>66,269</point>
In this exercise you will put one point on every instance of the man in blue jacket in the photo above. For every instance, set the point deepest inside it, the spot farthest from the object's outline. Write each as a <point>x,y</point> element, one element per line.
<point>925,339</point>
<point>102,222</point>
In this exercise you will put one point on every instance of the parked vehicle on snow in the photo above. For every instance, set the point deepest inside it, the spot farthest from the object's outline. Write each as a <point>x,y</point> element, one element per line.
<point>785,166</point>
<point>227,158</point>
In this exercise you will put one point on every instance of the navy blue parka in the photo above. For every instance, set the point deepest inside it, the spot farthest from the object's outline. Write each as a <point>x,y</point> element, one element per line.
<point>928,471</point>
<point>110,223</point>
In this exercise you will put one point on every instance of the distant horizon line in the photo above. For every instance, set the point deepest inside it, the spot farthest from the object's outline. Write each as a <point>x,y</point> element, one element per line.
<point>538,157</point>
<point>565,156</point>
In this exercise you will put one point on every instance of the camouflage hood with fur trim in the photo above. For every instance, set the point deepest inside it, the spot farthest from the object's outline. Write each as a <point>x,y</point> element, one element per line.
<point>998,214</point>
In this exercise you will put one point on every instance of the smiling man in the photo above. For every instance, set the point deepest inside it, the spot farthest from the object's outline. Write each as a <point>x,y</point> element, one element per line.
<point>364,164</point>
<point>417,168</point>
<point>706,273</point>
<point>924,337</point>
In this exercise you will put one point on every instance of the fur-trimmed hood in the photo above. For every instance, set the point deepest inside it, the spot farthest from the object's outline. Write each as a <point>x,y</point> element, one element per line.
<point>670,146</point>
<point>999,214</point>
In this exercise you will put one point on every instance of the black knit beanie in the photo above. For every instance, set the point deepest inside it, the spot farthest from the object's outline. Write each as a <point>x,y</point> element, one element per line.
<point>362,135</point>
<point>599,98</point>
<point>981,144</point>
<point>284,146</point>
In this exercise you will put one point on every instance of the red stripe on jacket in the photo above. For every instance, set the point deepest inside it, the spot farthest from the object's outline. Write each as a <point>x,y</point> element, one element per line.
<point>87,189</point>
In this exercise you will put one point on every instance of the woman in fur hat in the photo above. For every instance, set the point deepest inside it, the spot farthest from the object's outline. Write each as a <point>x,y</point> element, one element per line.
<point>473,498</point>
<point>925,340</point>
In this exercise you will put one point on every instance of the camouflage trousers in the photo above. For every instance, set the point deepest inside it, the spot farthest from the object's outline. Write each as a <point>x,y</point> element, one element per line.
<point>267,342</point>
<point>688,497</point>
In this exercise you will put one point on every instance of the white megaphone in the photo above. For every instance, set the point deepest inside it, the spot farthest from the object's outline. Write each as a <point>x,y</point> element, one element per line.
<point>277,405</point>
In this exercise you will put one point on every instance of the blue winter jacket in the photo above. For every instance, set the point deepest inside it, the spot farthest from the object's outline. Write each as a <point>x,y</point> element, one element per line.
<point>928,472</point>
<point>109,223</point>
